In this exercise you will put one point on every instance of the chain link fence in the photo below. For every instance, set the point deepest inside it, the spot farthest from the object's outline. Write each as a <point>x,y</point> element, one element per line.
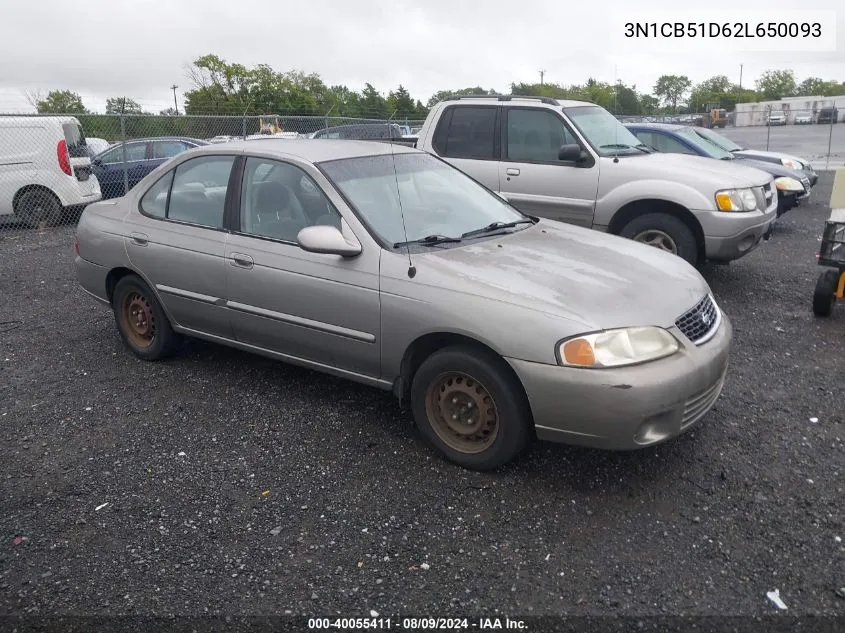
<point>52,166</point>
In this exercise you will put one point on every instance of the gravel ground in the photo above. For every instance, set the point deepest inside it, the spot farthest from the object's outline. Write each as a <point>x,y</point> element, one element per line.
<point>220,482</point>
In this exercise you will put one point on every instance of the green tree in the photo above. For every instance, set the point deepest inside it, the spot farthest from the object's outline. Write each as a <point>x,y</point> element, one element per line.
<point>116,105</point>
<point>400,104</point>
<point>60,102</point>
<point>776,84</point>
<point>373,104</point>
<point>671,89</point>
<point>649,104</point>
<point>442,94</point>
<point>627,100</point>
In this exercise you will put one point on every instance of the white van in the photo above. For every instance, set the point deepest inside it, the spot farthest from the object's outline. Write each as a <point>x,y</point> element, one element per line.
<point>44,168</point>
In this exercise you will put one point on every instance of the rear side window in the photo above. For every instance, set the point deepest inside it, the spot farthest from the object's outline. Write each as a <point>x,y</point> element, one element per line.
<point>467,132</point>
<point>199,191</point>
<point>154,202</point>
<point>75,139</point>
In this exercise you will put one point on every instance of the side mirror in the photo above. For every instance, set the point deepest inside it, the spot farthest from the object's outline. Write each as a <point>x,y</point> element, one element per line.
<point>327,240</point>
<point>572,153</point>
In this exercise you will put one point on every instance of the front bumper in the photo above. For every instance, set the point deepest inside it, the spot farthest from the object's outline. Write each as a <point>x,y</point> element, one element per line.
<point>631,407</point>
<point>729,236</point>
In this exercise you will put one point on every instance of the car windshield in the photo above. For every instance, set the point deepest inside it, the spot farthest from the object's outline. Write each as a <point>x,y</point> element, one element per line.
<point>717,139</point>
<point>436,199</point>
<point>604,131</point>
<point>707,147</point>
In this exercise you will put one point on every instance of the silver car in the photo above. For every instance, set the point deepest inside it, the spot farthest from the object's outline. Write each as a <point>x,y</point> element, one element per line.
<point>385,265</point>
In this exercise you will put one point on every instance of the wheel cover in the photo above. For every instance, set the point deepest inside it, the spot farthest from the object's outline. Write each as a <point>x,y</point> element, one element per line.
<point>462,412</point>
<point>658,239</point>
<point>138,319</point>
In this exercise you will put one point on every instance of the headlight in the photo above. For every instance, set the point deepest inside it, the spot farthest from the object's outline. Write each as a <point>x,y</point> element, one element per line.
<point>785,183</point>
<point>792,164</point>
<point>617,348</point>
<point>736,200</point>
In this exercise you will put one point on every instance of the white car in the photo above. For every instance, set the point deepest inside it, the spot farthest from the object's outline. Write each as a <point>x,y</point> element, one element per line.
<point>96,146</point>
<point>803,118</point>
<point>776,118</point>
<point>45,168</point>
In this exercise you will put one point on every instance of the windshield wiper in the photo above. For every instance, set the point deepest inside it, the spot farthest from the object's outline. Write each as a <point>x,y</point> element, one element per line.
<point>623,146</point>
<point>429,240</point>
<point>495,226</point>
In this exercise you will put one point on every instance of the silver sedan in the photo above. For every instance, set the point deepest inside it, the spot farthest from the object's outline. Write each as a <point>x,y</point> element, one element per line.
<point>384,265</point>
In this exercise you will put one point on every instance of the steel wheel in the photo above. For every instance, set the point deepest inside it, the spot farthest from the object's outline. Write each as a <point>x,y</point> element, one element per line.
<point>139,319</point>
<point>658,239</point>
<point>461,412</point>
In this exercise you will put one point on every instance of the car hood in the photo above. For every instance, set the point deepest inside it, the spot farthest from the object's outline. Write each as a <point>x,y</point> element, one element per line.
<point>758,153</point>
<point>696,170</point>
<point>586,276</point>
<point>774,169</point>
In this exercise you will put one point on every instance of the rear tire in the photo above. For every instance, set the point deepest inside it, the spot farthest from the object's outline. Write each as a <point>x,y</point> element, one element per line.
<point>665,232</point>
<point>141,320</point>
<point>470,406</point>
<point>824,297</point>
<point>38,207</point>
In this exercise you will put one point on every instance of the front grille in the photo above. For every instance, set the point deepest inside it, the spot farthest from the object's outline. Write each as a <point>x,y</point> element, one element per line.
<point>698,405</point>
<point>699,323</point>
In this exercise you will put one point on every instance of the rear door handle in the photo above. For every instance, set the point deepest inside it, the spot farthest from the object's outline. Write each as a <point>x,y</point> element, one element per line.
<point>244,261</point>
<point>140,238</point>
<point>513,171</point>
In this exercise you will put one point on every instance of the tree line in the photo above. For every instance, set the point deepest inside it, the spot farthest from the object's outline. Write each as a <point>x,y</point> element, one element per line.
<point>219,87</point>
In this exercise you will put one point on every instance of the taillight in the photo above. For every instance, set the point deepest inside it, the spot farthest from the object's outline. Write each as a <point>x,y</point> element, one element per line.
<point>64,158</point>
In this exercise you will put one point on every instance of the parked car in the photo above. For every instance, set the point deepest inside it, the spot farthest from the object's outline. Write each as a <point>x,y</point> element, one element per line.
<point>828,116</point>
<point>792,185</point>
<point>779,158</point>
<point>384,265</point>
<point>574,161</point>
<point>776,118</point>
<point>360,131</point>
<point>143,155</point>
<point>803,118</point>
<point>44,169</point>
<point>96,145</point>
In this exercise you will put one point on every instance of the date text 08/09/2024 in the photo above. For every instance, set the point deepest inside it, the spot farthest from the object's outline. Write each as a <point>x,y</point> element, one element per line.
<point>416,624</point>
<point>723,29</point>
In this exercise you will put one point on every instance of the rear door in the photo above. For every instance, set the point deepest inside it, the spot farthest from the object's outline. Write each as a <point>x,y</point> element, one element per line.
<point>466,138</point>
<point>80,161</point>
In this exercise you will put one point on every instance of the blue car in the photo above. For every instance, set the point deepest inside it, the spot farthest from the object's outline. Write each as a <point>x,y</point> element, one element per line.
<point>793,185</point>
<point>143,155</point>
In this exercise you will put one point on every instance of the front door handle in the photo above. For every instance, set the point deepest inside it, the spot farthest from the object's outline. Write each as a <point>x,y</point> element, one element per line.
<point>140,238</point>
<point>513,171</point>
<point>244,261</point>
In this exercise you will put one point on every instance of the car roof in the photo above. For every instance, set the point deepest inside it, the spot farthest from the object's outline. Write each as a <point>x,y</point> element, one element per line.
<point>516,100</point>
<point>350,126</point>
<point>669,127</point>
<point>312,150</point>
<point>166,138</point>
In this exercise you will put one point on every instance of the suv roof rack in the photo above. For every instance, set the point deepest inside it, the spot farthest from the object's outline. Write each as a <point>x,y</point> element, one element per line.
<point>546,100</point>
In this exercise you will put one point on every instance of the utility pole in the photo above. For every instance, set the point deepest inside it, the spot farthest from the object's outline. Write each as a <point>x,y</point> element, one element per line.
<point>542,74</point>
<point>740,77</point>
<point>175,103</point>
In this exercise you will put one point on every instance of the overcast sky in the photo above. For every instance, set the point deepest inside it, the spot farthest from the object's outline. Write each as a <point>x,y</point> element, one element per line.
<point>138,48</point>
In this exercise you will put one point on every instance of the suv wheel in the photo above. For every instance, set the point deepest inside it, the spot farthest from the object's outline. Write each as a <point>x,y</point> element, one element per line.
<point>665,232</point>
<point>38,206</point>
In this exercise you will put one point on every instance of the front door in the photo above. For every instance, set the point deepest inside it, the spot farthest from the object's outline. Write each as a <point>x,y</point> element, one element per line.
<point>109,167</point>
<point>320,308</point>
<point>534,179</point>
<point>179,243</point>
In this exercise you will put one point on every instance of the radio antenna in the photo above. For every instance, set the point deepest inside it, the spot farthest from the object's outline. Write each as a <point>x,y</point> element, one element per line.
<point>412,271</point>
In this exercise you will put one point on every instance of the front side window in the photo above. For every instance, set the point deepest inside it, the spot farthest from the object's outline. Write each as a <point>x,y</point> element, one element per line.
<point>278,200</point>
<point>471,132</point>
<point>603,131</point>
<point>168,149</point>
<point>535,135</point>
<point>198,195</point>
<point>434,197</point>
<point>665,143</point>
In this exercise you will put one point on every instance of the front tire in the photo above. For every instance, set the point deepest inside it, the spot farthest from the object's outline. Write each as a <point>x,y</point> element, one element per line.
<point>141,320</point>
<point>666,232</point>
<point>470,406</point>
<point>38,207</point>
<point>824,297</point>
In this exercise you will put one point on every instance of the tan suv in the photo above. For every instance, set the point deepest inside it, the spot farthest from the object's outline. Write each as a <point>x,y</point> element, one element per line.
<point>574,162</point>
